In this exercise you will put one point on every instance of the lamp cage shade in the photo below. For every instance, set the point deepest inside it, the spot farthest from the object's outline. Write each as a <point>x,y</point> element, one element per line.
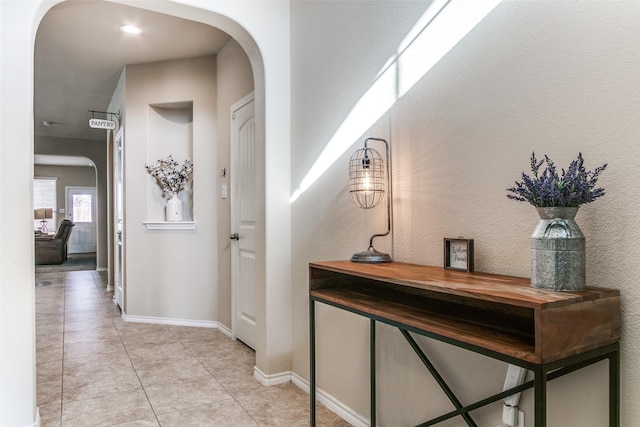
<point>366,178</point>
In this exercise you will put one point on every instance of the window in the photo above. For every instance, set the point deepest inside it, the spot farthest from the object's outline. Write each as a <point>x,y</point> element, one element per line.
<point>44,196</point>
<point>82,208</point>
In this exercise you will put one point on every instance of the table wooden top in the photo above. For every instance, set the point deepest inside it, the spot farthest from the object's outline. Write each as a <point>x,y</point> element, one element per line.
<point>499,313</point>
<point>483,286</point>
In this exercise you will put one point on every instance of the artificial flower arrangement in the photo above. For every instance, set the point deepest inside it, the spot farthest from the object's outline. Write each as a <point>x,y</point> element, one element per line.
<point>572,188</point>
<point>170,177</point>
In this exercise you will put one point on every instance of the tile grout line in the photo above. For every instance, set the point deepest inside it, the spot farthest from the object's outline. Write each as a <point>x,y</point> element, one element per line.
<point>233,397</point>
<point>144,390</point>
<point>126,350</point>
<point>64,334</point>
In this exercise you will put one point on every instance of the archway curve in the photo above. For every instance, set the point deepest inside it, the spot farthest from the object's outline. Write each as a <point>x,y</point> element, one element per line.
<point>268,24</point>
<point>259,37</point>
<point>82,162</point>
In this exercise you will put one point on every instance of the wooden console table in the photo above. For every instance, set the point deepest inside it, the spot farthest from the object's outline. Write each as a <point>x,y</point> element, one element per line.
<point>549,333</point>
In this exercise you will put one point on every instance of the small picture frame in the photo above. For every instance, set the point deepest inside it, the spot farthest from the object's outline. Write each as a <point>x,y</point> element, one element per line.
<point>458,254</point>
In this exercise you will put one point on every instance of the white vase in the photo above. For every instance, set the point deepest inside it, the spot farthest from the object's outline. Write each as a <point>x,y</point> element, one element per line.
<point>174,209</point>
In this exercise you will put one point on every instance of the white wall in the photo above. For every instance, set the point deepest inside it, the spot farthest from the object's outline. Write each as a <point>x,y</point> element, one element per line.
<point>17,295</point>
<point>554,77</point>
<point>232,80</point>
<point>208,248</point>
<point>235,80</point>
<point>116,104</point>
<point>262,30</point>
<point>170,273</point>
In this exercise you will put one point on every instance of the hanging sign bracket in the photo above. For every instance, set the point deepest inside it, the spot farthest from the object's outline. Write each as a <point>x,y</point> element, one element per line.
<point>103,123</point>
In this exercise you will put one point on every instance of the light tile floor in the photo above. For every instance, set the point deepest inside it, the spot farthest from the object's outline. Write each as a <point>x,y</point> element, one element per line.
<point>95,369</point>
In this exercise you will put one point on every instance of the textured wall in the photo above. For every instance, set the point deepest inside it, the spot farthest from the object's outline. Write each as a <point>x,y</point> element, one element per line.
<point>235,80</point>
<point>554,77</point>
<point>160,280</point>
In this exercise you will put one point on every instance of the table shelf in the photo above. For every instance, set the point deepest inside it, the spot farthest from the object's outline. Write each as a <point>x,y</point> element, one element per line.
<point>499,316</point>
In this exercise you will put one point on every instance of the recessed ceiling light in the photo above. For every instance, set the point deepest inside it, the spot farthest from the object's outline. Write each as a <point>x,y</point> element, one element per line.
<point>131,29</point>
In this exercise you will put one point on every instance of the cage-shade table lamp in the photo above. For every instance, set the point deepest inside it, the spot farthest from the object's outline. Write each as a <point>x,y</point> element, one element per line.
<point>368,175</point>
<point>43,214</point>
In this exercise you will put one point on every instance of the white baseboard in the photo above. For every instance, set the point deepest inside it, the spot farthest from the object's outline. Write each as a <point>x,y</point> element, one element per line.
<point>332,403</point>
<point>323,397</point>
<point>222,328</point>
<point>37,422</point>
<point>175,322</point>
<point>269,380</point>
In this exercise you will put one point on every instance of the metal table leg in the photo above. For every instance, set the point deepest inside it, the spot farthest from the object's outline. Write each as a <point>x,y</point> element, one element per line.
<point>614,387</point>
<point>312,359</point>
<point>372,365</point>
<point>540,396</point>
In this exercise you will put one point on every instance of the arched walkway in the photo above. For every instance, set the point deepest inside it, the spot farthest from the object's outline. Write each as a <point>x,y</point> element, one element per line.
<point>264,35</point>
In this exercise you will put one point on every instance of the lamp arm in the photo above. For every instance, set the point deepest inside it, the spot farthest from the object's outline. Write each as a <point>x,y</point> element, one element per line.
<point>389,193</point>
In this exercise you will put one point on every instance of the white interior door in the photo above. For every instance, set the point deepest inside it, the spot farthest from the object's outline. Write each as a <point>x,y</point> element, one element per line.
<point>81,205</point>
<point>118,190</point>
<point>243,219</point>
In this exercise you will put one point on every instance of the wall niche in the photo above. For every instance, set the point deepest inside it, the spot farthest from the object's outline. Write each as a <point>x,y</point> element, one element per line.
<point>169,132</point>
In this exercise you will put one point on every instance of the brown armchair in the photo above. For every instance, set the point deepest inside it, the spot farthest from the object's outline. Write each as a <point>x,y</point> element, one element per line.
<point>53,250</point>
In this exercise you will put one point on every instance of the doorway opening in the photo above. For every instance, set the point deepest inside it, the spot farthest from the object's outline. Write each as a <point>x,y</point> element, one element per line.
<point>78,13</point>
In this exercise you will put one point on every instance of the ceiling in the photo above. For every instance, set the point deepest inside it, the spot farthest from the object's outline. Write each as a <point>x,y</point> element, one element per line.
<point>80,53</point>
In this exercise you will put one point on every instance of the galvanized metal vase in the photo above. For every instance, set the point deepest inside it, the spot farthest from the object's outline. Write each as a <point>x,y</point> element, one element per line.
<point>558,258</point>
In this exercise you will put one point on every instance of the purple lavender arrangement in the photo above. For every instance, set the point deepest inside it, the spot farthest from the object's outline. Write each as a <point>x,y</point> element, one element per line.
<point>170,178</point>
<point>573,187</point>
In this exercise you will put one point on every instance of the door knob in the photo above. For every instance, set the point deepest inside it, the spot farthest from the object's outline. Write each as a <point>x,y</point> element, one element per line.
<point>234,236</point>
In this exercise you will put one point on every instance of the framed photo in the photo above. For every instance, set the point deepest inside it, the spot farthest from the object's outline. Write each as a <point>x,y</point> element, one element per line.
<point>458,254</point>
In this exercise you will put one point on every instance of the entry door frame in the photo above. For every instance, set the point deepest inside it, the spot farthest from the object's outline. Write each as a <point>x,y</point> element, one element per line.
<point>118,220</point>
<point>235,225</point>
<point>94,211</point>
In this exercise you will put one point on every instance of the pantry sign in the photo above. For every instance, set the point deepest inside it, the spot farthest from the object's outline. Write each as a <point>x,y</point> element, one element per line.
<point>102,124</point>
